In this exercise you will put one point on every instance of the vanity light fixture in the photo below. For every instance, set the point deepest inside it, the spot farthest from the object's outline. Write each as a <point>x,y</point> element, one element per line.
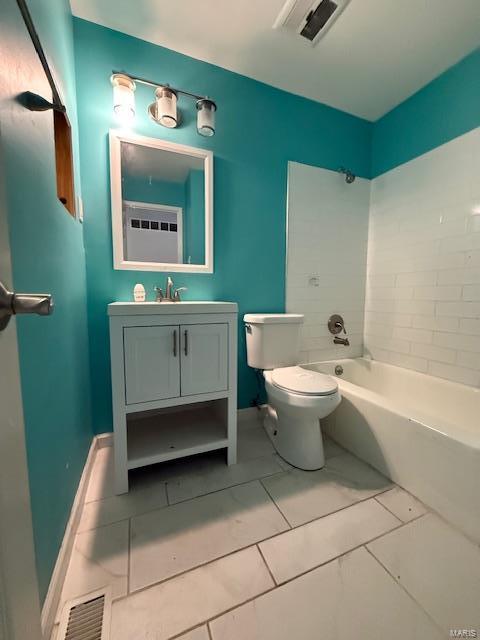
<point>206,117</point>
<point>123,97</point>
<point>164,109</point>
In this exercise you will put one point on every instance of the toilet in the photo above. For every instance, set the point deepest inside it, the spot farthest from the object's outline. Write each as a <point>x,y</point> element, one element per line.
<point>297,397</point>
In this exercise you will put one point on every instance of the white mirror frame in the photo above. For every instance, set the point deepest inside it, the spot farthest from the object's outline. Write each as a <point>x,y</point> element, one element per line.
<point>119,262</point>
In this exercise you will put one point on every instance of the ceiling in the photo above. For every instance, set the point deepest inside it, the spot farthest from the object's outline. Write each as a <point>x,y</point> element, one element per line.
<point>376,54</point>
<point>157,164</point>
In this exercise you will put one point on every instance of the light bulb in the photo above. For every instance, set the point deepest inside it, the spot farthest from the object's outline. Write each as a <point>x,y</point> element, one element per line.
<point>206,117</point>
<point>123,97</point>
<point>164,109</point>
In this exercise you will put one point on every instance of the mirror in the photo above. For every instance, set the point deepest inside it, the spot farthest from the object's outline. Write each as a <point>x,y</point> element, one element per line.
<point>162,211</point>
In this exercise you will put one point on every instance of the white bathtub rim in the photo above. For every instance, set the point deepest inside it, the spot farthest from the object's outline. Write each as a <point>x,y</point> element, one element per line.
<point>454,432</point>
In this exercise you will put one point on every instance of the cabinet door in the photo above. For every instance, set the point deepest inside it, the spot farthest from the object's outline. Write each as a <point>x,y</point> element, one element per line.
<point>204,358</point>
<point>152,363</point>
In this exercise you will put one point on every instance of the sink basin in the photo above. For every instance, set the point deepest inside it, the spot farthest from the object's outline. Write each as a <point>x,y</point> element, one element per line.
<point>152,308</point>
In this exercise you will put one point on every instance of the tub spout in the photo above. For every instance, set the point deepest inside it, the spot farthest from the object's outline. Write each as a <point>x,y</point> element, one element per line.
<point>344,341</point>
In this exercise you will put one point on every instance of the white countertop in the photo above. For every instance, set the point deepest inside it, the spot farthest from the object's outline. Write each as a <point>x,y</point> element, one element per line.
<point>170,308</point>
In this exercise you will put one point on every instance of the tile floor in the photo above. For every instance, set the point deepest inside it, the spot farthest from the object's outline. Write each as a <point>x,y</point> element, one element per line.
<point>261,551</point>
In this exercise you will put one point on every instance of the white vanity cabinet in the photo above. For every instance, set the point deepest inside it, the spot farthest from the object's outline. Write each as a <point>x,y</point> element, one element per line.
<point>152,364</point>
<point>203,358</point>
<point>174,381</point>
<point>168,361</point>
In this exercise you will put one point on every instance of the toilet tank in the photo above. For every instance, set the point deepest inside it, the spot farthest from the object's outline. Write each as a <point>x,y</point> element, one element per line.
<point>273,339</point>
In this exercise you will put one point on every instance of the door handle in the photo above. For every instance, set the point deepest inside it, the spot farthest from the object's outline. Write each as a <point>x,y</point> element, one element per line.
<point>20,303</point>
<point>175,343</point>
<point>185,335</point>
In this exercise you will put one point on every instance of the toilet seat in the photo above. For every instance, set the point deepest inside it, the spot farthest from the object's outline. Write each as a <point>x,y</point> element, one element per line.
<point>304,381</point>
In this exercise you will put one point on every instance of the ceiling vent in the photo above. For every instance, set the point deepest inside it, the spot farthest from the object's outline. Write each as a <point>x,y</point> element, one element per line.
<point>309,20</point>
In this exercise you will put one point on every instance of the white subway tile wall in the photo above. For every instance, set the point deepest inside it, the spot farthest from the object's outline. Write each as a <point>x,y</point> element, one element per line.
<point>422,308</point>
<point>326,257</point>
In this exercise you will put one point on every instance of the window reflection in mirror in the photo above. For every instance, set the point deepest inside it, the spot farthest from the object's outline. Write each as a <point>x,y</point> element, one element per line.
<point>161,204</point>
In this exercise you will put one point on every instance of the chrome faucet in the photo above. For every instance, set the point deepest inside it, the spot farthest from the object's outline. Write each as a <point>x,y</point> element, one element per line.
<point>169,288</point>
<point>336,325</point>
<point>176,295</point>
<point>171,294</point>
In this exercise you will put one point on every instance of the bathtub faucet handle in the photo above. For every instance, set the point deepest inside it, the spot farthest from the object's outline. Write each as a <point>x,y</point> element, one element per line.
<point>336,324</point>
<point>340,327</point>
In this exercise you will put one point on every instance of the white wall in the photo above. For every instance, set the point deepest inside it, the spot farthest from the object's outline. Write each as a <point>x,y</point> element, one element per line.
<point>423,287</point>
<point>327,240</point>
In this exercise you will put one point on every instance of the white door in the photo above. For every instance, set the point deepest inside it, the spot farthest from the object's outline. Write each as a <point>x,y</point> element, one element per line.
<point>20,70</point>
<point>204,357</point>
<point>152,363</point>
<point>19,600</point>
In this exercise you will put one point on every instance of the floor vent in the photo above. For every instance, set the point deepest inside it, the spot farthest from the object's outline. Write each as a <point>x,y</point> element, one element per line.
<point>86,618</point>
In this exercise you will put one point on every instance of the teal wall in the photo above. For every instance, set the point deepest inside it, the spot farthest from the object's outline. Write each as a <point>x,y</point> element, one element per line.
<point>141,189</point>
<point>251,151</point>
<point>446,108</point>
<point>48,255</point>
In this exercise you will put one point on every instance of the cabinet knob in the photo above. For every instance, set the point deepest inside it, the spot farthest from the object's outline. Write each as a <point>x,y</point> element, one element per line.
<point>186,342</point>
<point>175,343</point>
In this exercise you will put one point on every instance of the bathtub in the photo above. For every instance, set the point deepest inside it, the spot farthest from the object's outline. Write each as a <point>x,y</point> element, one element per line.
<point>420,431</point>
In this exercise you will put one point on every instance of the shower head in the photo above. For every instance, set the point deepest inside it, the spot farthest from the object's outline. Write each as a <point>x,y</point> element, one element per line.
<point>349,176</point>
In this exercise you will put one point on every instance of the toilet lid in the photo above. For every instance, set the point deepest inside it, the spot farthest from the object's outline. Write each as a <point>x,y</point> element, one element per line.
<point>301,380</point>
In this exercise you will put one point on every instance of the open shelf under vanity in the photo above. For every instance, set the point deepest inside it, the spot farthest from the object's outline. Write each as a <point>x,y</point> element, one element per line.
<point>158,436</point>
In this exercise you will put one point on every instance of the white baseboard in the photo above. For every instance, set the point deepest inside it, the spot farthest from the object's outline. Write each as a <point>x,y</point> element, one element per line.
<point>50,606</point>
<point>104,440</point>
